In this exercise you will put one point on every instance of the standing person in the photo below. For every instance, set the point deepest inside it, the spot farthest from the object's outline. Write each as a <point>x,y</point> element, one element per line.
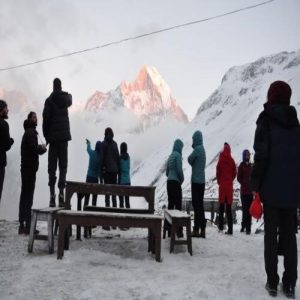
<point>5,141</point>
<point>30,151</point>
<point>110,166</point>
<point>226,172</point>
<point>276,177</point>
<point>124,175</point>
<point>94,169</point>
<point>175,179</point>
<point>56,129</point>
<point>243,177</point>
<point>197,160</point>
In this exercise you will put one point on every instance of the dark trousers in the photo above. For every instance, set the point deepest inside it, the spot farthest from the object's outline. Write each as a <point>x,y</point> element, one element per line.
<point>174,194</point>
<point>110,178</point>
<point>228,216</point>
<point>246,219</point>
<point>28,177</point>
<point>283,220</point>
<point>197,200</point>
<point>121,198</point>
<point>2,174</point>
<point>58,153</point>
<point>90,179</point>
<point>174,198</point>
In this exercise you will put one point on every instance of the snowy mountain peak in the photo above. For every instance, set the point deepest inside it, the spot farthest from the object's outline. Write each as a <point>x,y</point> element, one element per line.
<point>148,97</point>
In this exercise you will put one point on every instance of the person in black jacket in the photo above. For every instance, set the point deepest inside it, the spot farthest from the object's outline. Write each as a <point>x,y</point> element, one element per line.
<point>110,163</point>
<point>276,177</point>
<point>5,141</point>
<point>56,129</point>
<point>30,151</point>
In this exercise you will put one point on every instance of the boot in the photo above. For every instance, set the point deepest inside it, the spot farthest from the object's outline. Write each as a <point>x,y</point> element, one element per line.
<point>202,233</point>
<point>61,202</point>
<point>52,200</point>
<point>195,233</point>
<point>288,290</point>
<point>21,228</point>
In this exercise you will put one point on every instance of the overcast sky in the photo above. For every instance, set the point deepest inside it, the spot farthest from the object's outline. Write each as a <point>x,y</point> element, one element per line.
<point>192,60</point>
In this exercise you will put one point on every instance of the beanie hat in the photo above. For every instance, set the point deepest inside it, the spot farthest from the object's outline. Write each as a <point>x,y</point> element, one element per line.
<point>279,93</point>
<point>57,84</point>
<point>123,148</point>
<point>109,133</point>
<point>3,104</point>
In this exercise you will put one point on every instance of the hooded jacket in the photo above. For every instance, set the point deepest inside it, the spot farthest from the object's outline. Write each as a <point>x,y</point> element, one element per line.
<point>95,161</point>
<point>276,170</point>
<point>5,141</point>
<point>197,159</point>
<point>226,172</point>
<point>111,154</point>
<point>30,150</point>
<point>243,176</point>
<point>56,124</point>
<point>174,163</point>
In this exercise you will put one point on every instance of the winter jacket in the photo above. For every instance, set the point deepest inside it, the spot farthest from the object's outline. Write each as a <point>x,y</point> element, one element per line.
<point>56,124</point>
<point>110,156</point>
<point>95,162</point>
<point>124,169</point>
<point>243,177</point>
<point>276,169</point>
<point>174,163</point>
<point>5,141</point>
<point>30,150</point>
<point>197,159</point>
<point>226,172</point>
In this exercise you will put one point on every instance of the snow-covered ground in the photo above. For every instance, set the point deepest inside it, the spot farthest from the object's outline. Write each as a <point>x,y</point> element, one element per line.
<point>116,265</point>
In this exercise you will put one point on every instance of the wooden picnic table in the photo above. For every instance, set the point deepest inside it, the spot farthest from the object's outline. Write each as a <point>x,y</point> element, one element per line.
<point>83,188</point>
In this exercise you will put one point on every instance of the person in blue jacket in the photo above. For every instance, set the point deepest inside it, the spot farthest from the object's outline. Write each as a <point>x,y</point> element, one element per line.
<point>197,160</point>
<point>124,173</point>
<point>94,169</point>
<point>175,179</point>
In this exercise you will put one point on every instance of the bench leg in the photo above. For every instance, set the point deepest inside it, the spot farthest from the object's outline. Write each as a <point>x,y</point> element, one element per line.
<point>32,229</point>
<point>173,233</point>
<point>78,229</point>
<point>189,236</point>
<point>158,243</point>
<point>50,233</point>
<point>61,240</point>
<point>165,229</point>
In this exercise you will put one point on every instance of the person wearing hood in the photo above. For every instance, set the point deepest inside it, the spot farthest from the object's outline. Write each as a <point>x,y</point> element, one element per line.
<point>124,173</point>
<point>5,141</point>
<point>94,169</point>
<point>30,151</point>
<point>175,179</point>
<point>243,177</point>
<point>197,160</point>
<point>276,178</point>
<point>226,173</point>
<point>110,166</point>
<point>56,129</point>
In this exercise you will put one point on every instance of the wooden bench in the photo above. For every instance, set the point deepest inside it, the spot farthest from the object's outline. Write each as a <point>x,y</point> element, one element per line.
<point>210,205</point>
<point>177,219</point>
<point>68,217</point>
<point>47,214</point>
<point>83,188</point>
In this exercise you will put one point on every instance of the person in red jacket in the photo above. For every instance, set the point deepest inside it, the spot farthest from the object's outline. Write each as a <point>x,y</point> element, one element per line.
<point>226,172</point>
<point>243,177</point>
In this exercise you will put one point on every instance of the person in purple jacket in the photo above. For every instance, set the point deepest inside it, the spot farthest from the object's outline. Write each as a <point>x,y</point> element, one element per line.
<point>243,177</point>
